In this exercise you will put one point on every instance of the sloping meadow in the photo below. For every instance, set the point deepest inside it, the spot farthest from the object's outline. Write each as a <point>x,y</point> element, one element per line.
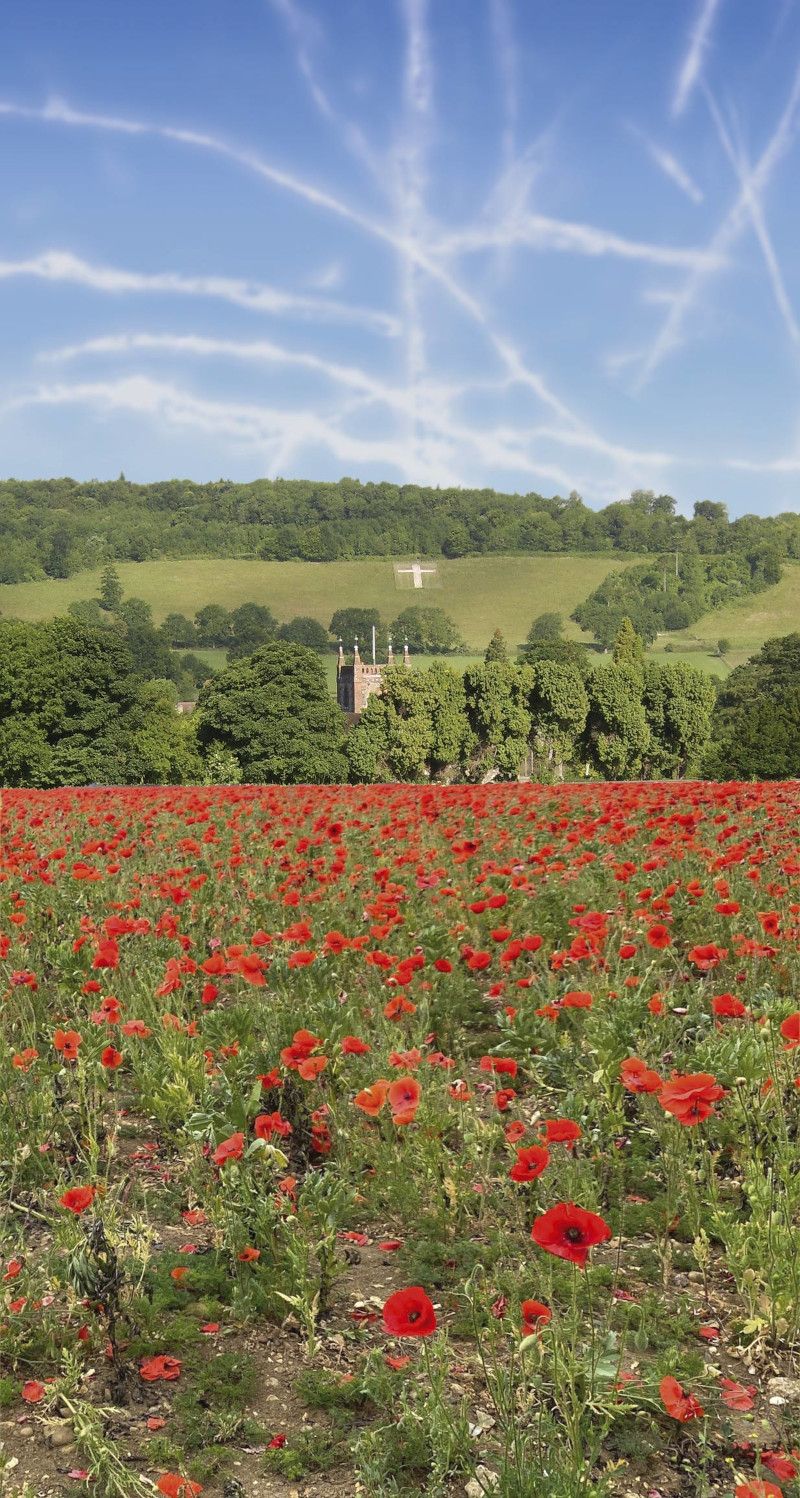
<point>524,1058</point>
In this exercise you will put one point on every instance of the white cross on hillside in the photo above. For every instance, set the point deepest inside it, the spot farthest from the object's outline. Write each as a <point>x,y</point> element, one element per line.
<point>417,572</point>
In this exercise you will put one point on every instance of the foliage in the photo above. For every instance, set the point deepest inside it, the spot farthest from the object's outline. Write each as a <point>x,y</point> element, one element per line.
<point>547,626</point>
<point>657,598</point>
<point>417,729</point>
<point>73,711</point>
<point>303,630</point>
<point>429,631</point>
<point>754,730</point>
<point>59,526</point>
<point>497,649</point>
<point>273,711</point>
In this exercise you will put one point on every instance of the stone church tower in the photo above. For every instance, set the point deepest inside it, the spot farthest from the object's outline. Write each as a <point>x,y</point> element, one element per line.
<point>354,684</point>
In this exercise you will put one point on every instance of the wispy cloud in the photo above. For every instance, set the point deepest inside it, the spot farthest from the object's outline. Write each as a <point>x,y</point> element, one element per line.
<point>670,336</point>
<point>770,465</point>
<point>410,186</point>
<point>538,232</point>
<point>669,165</point>
<point>59,265</point>
<point>415,249</point>
<point>692,66</point>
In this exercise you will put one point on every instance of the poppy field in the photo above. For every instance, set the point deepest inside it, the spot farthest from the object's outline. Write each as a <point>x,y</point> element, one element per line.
<point>400,1140</point>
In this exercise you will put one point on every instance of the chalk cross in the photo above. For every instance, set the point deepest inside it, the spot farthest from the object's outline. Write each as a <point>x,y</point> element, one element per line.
<point>417,572</point>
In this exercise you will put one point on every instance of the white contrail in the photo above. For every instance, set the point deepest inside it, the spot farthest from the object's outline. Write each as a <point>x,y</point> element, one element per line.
<point>669,165</point>
<point>436,396</point>
<point>59,265</point>
<point>410,193</point>
<point>507,66</point>
<point>538,232</point>
<point>266,426</point>
<point>306,34</point>
<point>755,206</point>
<point>725,237</point>
<point>59,113</point>
<point>699,41</point>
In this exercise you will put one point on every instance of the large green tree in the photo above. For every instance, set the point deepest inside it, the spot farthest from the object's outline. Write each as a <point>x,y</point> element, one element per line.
<point>416,730</point>
<point>497,708</point>
<point>74,712</point>
<point>429,631</point>
<point>753,724</point>
<point>678,701</point>
<point>558,706</point>
<point>274,712</point>
<point>616,735</point>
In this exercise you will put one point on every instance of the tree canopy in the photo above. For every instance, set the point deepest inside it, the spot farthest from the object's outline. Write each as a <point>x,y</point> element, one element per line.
<point>273,711</point>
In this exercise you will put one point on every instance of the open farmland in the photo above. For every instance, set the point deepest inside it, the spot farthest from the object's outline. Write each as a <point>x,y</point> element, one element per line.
<point>379,1140</point>
<point>480,593</point>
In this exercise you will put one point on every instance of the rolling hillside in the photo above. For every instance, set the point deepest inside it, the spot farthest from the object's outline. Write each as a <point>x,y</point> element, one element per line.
<point>480,593</point>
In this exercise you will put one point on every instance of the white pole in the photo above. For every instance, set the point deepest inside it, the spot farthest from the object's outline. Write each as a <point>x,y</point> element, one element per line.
<point>373,644</point>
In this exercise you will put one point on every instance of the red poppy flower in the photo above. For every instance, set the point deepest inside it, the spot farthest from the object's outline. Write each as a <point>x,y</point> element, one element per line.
<point>229,1149</point>
<point>23,1060</point>
<point>535,1317</point>
<point>576,999</point>
<point>502,1099</point>
<point>249,1255</point>
<point>790,1030</point>
<point>757,1488</point>
<point>173,1486</point>
<point>32,1391</point>
<point>530,1163</point>
<point>404,1096</point>
<point>658,937</point>
<point>111,1058</point>
<point>152,1370</point>
<point>691,1098</point>
<point>409,1313</point>
<point>680,1406</point>
<point>727,1006</point>
<point>504,1066</point>
<point>442,965</point>
<point>77,1199</point>
<point>397,1363</point>
<point>310,1069</point>
<point>353,1046</point>
<point>636,1077</point>
<point>655,1005</point>
<point>371,1099</point>
<point>736,1396</point>
<point>67,1042</point>
<point>569,1232</point>
<point>704,958</point>
<point>780,1464</point>
<point>561,1131</point>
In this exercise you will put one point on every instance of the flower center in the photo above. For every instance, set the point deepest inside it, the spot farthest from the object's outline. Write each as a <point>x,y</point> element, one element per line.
<point>574,1235</point>
<point>414,1316</point>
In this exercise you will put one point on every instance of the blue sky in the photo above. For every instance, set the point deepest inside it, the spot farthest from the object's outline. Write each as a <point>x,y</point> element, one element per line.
<point>500,243</point>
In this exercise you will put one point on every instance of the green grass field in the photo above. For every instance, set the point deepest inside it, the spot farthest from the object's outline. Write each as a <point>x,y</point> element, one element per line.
<point>480,593</point>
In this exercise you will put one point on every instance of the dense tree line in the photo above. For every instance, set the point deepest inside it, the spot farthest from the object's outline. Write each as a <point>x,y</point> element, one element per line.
<point>625,720</point>
<point>55,527</point>
<point>74,710</point>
